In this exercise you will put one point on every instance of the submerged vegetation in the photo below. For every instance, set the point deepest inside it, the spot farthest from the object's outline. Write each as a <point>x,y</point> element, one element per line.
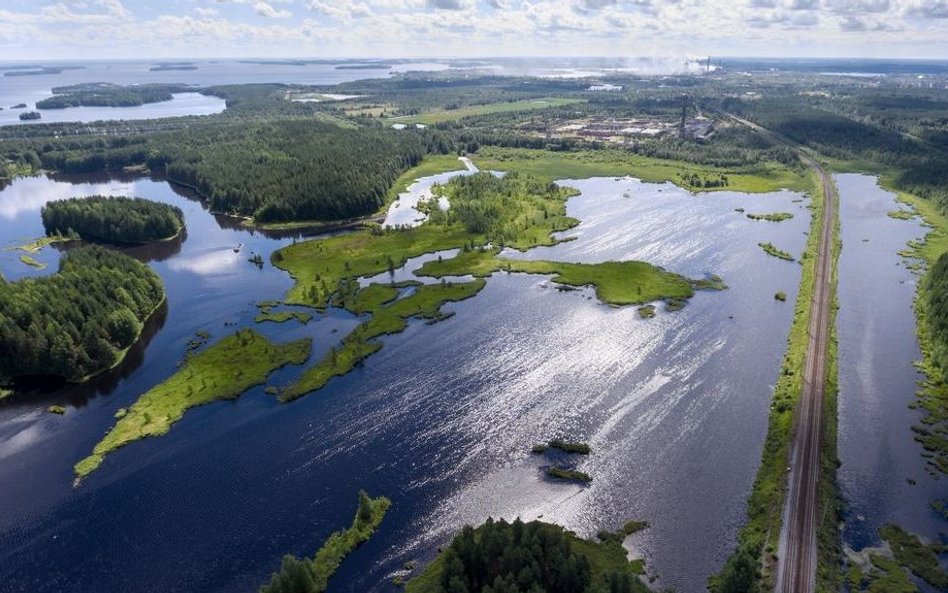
<point>771,249</point>
<point>304,575</point>
<point>523,557</point>
<point>114,218</point>
<point>78,321</point>
<point>222,371</point>
<point>564,446</point>
<point>568,475</point>
<point>772,217</point>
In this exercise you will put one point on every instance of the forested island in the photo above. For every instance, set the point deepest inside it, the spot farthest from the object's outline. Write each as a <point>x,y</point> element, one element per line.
<point>114,219</point>
<point>108,95</point>
<point>518,557</point>
<point>78,321</point>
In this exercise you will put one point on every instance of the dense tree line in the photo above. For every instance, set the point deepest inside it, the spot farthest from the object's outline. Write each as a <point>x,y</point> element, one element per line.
<point>534,557</point>
<point>501,557</point>
<point>75,322</point>
<point>935,296</point>
<point>290,169</point>
<point>113,218</point>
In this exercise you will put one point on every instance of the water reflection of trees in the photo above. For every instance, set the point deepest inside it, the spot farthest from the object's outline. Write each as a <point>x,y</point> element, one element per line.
<point>30,391</point>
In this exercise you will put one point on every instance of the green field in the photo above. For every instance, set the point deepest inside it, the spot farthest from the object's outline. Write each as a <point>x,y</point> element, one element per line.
<point>441,115</point>
<point>551,166</point>
<point>222,371</point>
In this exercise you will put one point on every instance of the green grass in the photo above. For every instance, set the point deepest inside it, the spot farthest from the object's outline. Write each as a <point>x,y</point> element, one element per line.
<point>283,316</point>
<point>549,165</point>
<point>223,371</point>
<point>318,266</point>
<point>771,217</point>
<point>30,261</point>
<point>901,214</point>
<point>443,115</point>
<point>920,558</point>
<point>315,573</point>
<point>37,245</point>
<point>780,296</point>
<point>616,283</point>
<point>5,392</point>
<point>386,317</point>
<point>433,164</point>
<point>771,249</point>
<point>56,410</point>
<point>646,311</point>
<point>568,475</point>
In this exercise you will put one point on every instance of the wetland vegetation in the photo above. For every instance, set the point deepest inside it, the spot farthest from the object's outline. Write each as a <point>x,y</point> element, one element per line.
<point>221,371</point>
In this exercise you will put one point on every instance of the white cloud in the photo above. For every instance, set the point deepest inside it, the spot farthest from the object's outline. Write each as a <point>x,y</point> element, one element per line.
<point>266,10</point>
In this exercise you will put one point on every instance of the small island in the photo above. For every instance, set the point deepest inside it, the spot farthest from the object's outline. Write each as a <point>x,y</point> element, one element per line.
<point>80,321</point>
<point>560,559</point>
<point>773,250</point>
<point>772,217</point>
<point>114,219</point>
<point>30,115</point>
<point>18,106</point>
<point>304,575</point>
<point>222,371</point>
<point>101,94</point>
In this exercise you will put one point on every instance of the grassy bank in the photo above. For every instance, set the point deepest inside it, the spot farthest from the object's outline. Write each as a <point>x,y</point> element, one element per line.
<point>758,538</point>
<point>549,165</point>
<point>222,371</point>
<point>312,575</point>
<point>441,115</point>
<point>933,395</point>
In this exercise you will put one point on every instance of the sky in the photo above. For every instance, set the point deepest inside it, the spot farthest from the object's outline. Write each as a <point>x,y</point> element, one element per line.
<point>122,29</point>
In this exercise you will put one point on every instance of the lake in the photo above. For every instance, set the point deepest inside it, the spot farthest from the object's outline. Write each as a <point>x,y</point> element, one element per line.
<point>877,379</point>
<point>441,420</point>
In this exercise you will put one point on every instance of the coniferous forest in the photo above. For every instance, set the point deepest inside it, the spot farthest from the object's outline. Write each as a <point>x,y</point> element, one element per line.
<point>117,219</point>
<point>76,322</point>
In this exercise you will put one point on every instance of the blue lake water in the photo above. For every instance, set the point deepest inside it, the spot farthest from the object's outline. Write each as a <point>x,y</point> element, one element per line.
<point>877,379</point>
<point>441,420</point>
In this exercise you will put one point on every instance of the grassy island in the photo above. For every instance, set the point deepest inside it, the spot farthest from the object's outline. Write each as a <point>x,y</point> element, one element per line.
<point>115,219</point>
<point>771,249</point>
<point>772,217</point>
<point>901,214</point>
<point>283,316</point>
<point>222,371</point>
<point>306,575</point>
<point>564,446</point>
<point>502,552</point>
<point>80,321</point>
<point>568,475</point>
<point>100,94</point>
<point>518,211</point>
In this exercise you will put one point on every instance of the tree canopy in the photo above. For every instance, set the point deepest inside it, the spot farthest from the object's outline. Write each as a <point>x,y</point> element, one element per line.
<point>76,322</point>
<point>114,218</point>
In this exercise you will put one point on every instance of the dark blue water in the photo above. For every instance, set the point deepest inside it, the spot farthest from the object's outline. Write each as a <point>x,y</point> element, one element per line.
<point>877,379</point>
<point>441,420</point>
